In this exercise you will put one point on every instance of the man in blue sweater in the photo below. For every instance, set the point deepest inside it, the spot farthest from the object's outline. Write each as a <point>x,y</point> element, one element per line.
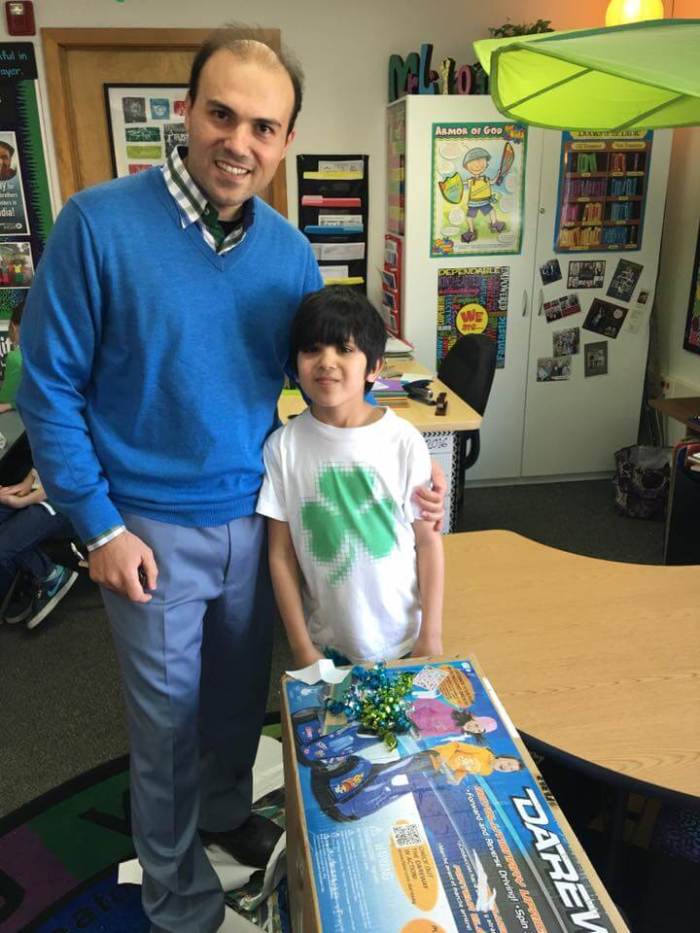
<point>154,343</point>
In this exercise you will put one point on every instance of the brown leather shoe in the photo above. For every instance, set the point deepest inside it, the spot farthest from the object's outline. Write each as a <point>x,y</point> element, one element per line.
<point>251,843</point>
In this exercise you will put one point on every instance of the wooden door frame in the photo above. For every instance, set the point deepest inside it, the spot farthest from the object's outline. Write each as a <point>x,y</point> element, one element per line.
<point>57,43</point>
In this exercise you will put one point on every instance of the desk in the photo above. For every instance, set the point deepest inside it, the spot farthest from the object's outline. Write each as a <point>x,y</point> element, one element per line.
<point>680,409</point>
<point>595,659</point>
<point>438,430</point>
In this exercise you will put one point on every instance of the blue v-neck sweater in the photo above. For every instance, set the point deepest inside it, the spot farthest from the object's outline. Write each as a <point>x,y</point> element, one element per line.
<point>152,364</point>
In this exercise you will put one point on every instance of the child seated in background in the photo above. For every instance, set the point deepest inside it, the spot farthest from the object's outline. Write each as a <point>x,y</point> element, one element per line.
<point>355,571</point>
<point>31,585</point>
<point>13,363</point>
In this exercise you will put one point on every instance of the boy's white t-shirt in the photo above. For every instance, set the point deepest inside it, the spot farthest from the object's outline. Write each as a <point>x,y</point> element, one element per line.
<point>346,495</point>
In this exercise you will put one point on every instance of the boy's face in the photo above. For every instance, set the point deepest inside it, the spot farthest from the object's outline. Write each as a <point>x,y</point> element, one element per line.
<point>334,377</point>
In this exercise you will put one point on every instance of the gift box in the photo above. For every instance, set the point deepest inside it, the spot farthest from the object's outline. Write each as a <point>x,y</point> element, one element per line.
<point>446,826</point>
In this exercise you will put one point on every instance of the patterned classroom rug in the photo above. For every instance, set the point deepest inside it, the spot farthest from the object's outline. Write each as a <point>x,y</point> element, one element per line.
<point>59,857</point>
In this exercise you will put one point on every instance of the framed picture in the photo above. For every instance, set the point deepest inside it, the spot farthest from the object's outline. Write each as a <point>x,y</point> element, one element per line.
<point>692,325</point>
<point>595,358</point>
<point>145,124</point>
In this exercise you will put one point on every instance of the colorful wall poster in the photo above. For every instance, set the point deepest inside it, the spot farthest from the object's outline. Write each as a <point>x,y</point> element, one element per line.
<point>452,830</point>
<point>602,191</point>
<point>624,280</point>
<point>478,172</point>
<point>13,212</point>
<point>25,204</point>
<point>145,124</point>
<point>472,301</point>
<point>605,318</point>
<point>691,340</point>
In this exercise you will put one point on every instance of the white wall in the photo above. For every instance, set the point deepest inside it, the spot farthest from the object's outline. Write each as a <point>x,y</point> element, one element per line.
<point>345,48</point>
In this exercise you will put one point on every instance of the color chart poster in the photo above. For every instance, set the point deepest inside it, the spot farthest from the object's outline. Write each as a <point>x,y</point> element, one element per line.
<point>477,188</point>
<point>473,301</point>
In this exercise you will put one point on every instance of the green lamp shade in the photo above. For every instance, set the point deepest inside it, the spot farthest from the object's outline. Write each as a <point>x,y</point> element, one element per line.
<point>642,76</point>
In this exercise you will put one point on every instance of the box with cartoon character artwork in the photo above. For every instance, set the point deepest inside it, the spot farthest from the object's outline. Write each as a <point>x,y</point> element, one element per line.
<point>452,830</point>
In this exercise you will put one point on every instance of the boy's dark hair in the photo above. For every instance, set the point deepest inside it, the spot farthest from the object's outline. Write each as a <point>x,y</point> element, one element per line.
<point>245,42</point>
<point>330,317</point>
<point>17,312</point>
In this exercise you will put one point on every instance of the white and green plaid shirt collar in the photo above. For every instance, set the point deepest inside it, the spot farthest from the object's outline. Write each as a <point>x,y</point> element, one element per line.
<point>195,209</point>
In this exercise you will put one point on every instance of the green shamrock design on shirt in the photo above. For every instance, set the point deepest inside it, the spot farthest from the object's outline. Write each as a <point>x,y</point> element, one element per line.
<point>348,518</point>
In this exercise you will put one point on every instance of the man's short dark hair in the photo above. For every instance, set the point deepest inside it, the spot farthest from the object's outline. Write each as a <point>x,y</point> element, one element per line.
<point>331,316</point>
<point>10,149</point>
<point>242,42</point>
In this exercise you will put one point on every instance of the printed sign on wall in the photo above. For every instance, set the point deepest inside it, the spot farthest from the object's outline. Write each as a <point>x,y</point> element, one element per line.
<point>477,188</point>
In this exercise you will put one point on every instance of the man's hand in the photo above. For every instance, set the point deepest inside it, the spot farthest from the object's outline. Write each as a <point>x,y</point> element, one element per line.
<point>120,565</point>
<point>432,501</point>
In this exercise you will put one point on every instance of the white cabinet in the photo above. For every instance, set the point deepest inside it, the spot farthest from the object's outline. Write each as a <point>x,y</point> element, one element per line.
<point>533,429</point>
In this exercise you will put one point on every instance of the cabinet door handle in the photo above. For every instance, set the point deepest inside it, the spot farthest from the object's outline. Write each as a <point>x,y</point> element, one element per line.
<point>524,302</point>
<point>539,311</point>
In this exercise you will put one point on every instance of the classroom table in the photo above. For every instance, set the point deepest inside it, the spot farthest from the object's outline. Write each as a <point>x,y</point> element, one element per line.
<point>680,409</point>
<point>596,662</point>
<point>440,431</point>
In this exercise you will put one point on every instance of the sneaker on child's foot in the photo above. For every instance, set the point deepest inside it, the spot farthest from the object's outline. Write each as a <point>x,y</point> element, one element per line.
<point>19,599</point>
<point>50,593</point>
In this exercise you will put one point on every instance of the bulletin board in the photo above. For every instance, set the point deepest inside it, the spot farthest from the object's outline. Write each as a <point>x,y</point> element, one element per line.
<point>25,204</point>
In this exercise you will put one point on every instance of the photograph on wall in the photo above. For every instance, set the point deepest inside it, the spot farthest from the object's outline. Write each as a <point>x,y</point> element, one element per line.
<point>691,340</point>
<point>553,369</point>
<point>13,210</point>
<point>472,301</point>
<point>595,358</point>
<point>586,274</point>
<point>478,173</point>
<point>643,297</point>
<point>624,281</point>
<point>605,318</point>
<point>145,124</point>
<point>602,192</point>
<point>16,266</point>
<point>566,342</point>
<point>561,307</point>
<point>550,271</point>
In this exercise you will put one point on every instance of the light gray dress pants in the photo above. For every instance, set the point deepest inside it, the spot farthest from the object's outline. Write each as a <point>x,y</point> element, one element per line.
<point>195,665</point>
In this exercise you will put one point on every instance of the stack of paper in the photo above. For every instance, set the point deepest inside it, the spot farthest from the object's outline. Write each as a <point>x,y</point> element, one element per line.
<point>388,390</point>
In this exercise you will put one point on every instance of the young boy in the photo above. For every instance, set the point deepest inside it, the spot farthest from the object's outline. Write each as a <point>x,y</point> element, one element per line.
<point>355,571</point>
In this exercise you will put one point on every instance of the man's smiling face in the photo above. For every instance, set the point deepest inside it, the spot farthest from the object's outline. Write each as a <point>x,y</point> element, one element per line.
<point>237,129</point>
